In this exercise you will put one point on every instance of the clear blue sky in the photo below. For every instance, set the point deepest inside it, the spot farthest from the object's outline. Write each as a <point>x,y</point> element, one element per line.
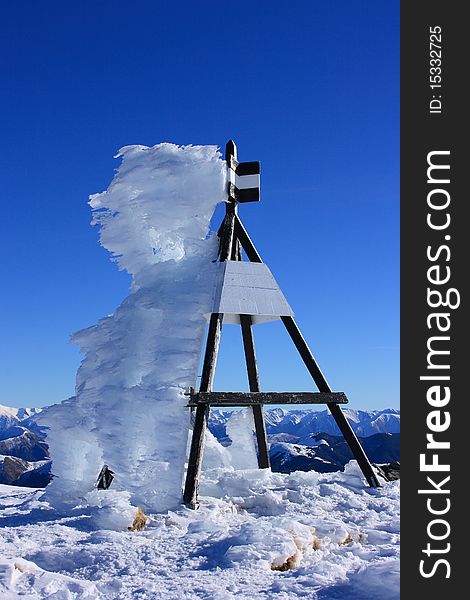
<point>309,88</point>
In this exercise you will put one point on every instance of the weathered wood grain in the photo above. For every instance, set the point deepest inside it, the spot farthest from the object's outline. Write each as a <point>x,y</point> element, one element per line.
<point>251,398</point>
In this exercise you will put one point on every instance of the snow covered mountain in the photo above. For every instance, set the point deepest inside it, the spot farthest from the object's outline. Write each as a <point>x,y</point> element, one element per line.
<point>12,417</point>
<point>24,456</point>
<point>25,444</point>
<point>300,440</point>
<point>327,453</point>
<point>308,440</point>
<point>17,471</point>
<point>303,423</point>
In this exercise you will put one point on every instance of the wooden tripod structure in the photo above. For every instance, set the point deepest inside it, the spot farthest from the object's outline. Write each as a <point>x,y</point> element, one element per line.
<point>233,238</point>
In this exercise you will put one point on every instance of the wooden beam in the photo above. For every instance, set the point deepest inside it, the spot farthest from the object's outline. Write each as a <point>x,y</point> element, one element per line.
<point>212,351</point>
<point>250,355</point>
<point>230,151</point>
<point>253,379</point>
<point>245,240</point>
<point>253,398</point>
<point>196,453</point>
<point>306,354</point>
<point>226,233</point>
<point>232,163</point>
<point>336,412</point>
<point>236,250</point>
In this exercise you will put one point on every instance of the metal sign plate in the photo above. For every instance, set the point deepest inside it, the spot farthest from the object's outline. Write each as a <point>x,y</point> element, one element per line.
<point>248,288</point>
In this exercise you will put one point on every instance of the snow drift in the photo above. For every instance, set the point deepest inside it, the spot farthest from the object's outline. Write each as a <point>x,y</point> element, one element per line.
<point>336,538</point>
<point>129,408</point>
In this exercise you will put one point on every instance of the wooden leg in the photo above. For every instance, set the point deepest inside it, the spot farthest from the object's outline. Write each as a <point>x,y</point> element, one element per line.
<point>193,475</point>
<point>354,444</point>
<point>252,369</point>
<point>227,235</point>
<point>245,240</point>
<point>196,454</point>
<point>337,413</point>
<point>261,437</point>
<point>236,251</point>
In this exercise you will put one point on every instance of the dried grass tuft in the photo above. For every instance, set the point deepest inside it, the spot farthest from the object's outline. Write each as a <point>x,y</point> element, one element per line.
<point>346,540</point>
<point>140,521</point>
<point>290,563</point>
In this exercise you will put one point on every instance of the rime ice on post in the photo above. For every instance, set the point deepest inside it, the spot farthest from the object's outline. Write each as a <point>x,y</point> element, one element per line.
<point>129,408</point>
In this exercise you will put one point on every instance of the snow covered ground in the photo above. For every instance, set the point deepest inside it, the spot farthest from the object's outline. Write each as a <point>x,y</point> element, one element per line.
<point>257,535</point>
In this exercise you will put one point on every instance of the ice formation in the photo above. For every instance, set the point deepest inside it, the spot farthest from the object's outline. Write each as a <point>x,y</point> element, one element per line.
<point>129,408</point>
<point>242,450</point>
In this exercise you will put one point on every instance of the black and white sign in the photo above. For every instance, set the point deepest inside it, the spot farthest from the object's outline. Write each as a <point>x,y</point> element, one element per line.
<point>244,181</point>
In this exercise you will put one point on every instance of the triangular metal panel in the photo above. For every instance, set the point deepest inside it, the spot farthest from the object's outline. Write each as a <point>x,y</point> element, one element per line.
<point>248,288</point>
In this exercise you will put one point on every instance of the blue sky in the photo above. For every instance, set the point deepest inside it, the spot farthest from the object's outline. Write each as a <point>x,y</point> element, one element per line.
<point>311,89</point>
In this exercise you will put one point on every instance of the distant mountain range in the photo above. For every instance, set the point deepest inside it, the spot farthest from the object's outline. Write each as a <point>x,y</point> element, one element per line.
<point>24,455</point>
<point>11,417</point>
<point>326,453</point>
<point>303,423</point>
<point>308,440</point>
<point>300,440</point>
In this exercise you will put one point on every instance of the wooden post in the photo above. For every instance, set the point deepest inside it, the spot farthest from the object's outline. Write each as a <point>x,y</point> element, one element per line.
<point>222,399</point>
<point>246,242</point>
<point>226,233</point>
<point>198,439</point>
<point>196,453</point>
<point>247,333</point>
<point>337,413</point>
<point>230,150</point>
<point>236,250</point>
<point>253,379</point>
<point>193,474</point>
